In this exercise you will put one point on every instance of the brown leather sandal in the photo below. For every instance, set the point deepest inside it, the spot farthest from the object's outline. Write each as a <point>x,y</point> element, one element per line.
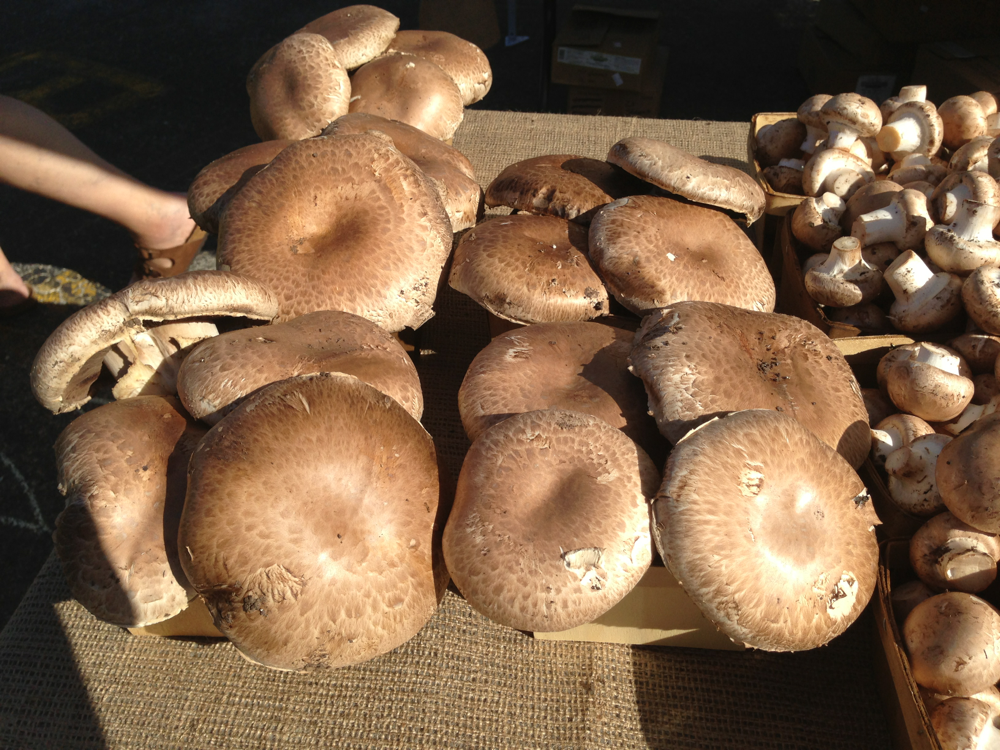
<point>161,264</point>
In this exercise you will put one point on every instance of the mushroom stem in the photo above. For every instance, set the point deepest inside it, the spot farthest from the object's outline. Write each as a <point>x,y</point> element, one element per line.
<point>813,137</point>
<point>948,554</point>
<point>844,181</point>
<point>148,363</point>
<point>845,254</point>
<point>903,222</point>
<point>910,278</point>
<point>894,432</point>
<point>880,225</point>
<point>917,93</point>
<point>901,135</point>
<point>963,566</point>
<point>951,201</point>
<point>970,415</point>
<point>841,135</point>
<point>975,221</point>
<point>936,357</point>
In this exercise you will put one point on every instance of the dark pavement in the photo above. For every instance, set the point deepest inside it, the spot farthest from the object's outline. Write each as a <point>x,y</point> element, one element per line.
<point>158,89</point>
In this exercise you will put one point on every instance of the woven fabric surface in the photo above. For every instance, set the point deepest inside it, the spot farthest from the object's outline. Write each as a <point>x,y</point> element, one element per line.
<point>463,681</point>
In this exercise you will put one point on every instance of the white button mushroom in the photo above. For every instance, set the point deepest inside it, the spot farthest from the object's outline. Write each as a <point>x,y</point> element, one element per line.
<point>844,278</point>
<point>948,554</point>
<point>925,300</point>
<point>953,639</point>
<point>928,383</point>
<point>911,475</point>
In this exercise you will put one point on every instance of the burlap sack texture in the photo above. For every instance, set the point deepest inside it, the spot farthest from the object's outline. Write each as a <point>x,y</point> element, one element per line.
<point>71,681</point>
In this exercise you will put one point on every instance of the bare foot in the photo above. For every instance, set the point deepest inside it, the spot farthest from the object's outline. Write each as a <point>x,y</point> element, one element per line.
<point>170,224</point>
<point>13,290</point>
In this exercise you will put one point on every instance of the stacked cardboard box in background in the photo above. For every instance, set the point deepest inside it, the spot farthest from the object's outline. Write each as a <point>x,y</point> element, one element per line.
<point>610,60</point>
<point>876,46</point>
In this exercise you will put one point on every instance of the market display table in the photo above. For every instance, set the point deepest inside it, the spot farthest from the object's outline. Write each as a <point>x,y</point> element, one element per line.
<point>71,681</point>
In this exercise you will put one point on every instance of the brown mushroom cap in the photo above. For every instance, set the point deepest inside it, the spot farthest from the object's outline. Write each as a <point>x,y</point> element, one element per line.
<point>973,156</point>
<point>654,251</point>
<point>122,469</point>
<point>309,521</point>
<point>223,370</point>
<point>341,223</point>
<point>412,142</point>
<point>957,187</point>
<point>768,530</point>
<point>809,115</point>
<point>572,366</point>
<point>928,383</point>
<point>684,174</point>
<point>878,405</point>
<point>963,120</point>
<point>981,297</point>
<point>550,526</point>
<point>358,33</point>
<point>816,221</point>
<point>699,360</point>
<point>70,360</point>
<point>780,140</point>
<point>837,171</point>
<point>297,88</point>
<point>967,722</point>
<point>529,269</point>
<point>784,179</point>
<point>409,89</point>
<point>216,184</point>
<point>952,641</point>
<point>563,185</point>
<point>979,350</point>
<point>449,169</point>
<point>463,61</point>
<point>966,474</point>
<point>849,116</point>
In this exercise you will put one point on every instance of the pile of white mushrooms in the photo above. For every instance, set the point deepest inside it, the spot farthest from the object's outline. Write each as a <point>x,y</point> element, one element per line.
<point>900,210</point>
<point>937,451</point>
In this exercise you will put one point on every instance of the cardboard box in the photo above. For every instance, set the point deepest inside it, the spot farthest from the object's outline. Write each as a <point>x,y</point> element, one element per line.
<point>909,722</point>
<point>846,26</point>
<point>657,612</point>
<point>953,68</point>
<point>195,621</point>
<point>778,204</point>
<point>583,100</point>
<point>828,67</point>
<point>915,21</point>
<point>606,48</point>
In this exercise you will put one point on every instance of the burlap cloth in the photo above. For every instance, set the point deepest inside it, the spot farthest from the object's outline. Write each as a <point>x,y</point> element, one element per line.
<point>71,681</point>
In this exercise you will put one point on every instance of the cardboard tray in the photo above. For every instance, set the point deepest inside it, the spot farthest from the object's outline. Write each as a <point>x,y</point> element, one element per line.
<point>657,612</point>
<point>778,204</point>
<point>909,722</point>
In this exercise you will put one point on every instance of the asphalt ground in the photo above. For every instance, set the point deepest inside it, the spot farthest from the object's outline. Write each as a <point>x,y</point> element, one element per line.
<point>158,88</point>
